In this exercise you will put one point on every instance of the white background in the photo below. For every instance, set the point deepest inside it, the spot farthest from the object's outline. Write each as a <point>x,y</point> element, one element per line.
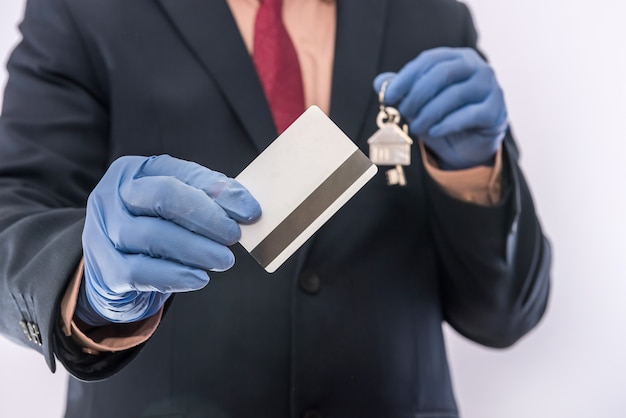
<point>562,65</point>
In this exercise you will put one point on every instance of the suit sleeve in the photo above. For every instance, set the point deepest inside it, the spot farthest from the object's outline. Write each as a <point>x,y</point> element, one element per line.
<point>53,150</point>
<point>495,261</point>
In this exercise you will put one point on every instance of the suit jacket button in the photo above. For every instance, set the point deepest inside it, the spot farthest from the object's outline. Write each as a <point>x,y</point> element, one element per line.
<point>311,413</point>
<point>31,332</point>
<point>310,282</point>
<point>26,331</point>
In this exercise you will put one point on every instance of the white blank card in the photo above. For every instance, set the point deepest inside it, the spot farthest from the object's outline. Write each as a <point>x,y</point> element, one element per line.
<point>300,181</point>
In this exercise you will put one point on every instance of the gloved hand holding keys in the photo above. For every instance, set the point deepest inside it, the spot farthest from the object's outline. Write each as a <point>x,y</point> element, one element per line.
<point>155,226</point>
<point>453,102</point>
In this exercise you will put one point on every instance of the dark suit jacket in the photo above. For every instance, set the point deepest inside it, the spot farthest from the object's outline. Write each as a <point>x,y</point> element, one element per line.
<point>350,326</point>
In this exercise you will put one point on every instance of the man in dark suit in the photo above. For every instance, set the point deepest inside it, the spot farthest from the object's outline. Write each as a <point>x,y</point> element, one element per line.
<point>350,326</point>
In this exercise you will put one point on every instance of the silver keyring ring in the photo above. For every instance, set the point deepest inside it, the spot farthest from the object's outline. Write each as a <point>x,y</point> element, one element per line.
<point>387,115</point>
<point>383,89</point>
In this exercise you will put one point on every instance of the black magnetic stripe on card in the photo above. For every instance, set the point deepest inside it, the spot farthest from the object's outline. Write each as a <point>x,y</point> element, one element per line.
<point>311,208</point>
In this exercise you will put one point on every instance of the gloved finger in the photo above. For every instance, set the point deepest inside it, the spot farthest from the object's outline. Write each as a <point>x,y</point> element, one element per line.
<point>401,85</point>
<point>146,274</point>
<point>439,78</point>
<point>227,192</point>
<point>185,205</point>
<point>474,90</point>
<point>489,117</point>
<point>380,79</point>
<point>159,238</point>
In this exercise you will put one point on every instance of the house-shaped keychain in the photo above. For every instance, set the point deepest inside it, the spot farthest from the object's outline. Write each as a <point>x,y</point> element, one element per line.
<point>391,145</point>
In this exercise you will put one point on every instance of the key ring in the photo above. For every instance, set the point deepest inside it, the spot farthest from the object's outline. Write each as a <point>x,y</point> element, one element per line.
<point>381,93</point>
<point>387,114</point>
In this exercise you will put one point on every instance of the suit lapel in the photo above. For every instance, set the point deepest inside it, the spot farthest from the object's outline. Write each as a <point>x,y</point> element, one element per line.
<point>360,30</point>
<point>210,30</point>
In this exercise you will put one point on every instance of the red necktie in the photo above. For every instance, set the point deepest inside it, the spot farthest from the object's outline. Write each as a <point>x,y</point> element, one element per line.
<point>277,64</point>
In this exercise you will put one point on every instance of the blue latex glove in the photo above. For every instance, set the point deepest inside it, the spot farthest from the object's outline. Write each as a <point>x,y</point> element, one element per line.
<point>155,226</point>
<point>452,101</point>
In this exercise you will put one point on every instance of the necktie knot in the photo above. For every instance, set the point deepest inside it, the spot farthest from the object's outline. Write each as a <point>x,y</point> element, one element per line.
<point>273,4</point>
